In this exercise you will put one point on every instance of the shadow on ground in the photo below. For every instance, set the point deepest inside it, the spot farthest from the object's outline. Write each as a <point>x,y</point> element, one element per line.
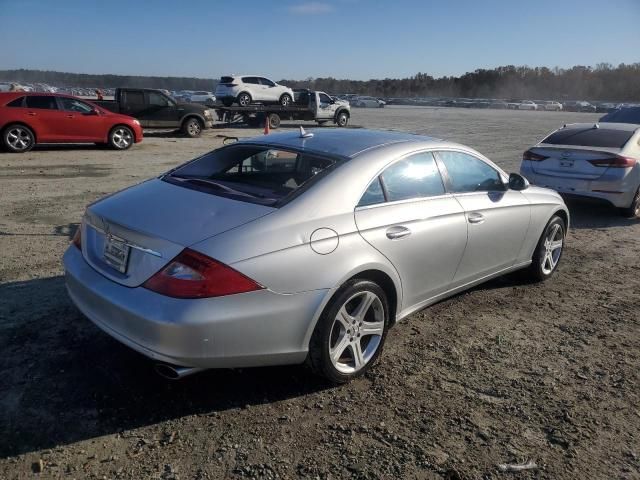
<point>591,214</point>
<point>63,380</point>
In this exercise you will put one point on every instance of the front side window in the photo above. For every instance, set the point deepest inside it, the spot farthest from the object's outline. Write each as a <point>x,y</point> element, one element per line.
<point>324,98</point>
<point>267,82</point>
<point>255,174</point>
<point>158,100</point>
<point>470,174</point>
<point>73,105</point>
<point>416,176</point>
<point>251,80</point>
<point>41,101</point>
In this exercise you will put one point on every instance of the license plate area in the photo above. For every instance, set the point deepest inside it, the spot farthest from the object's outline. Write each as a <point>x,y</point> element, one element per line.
<point>116,253</point>
<point>566,163</point>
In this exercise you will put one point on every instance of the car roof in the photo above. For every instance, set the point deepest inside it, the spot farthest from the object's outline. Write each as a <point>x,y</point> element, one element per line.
<point>345,143</point>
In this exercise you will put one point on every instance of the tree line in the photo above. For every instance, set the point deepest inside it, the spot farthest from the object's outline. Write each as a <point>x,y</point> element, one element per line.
<point>602,82</point>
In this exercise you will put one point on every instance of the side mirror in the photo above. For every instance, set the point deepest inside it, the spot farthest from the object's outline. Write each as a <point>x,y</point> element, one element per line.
<point>93,111</point>
<point>332,101</point>
<point>518,182</point>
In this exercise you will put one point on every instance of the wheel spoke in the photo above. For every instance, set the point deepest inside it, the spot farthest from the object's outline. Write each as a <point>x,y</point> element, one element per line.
<point>554,231</point>
<point>342,344</point>
<point>344,318</point>
<point>555,245</point>
<point>372,328</point>
<point>364,305</point>
<point>358,355</point>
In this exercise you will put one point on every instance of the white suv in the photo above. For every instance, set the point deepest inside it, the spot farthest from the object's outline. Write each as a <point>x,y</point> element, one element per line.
<point>248,89</point>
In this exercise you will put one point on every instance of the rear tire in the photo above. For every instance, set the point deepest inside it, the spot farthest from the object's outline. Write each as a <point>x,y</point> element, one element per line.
<point>350,332</point>
<point>244,99</point>
<point>18,138</point>
<point>633,210</point>
<point>274,120</point>
<point>192,127</point>
<point>121,137</point>
<point>548,253</point>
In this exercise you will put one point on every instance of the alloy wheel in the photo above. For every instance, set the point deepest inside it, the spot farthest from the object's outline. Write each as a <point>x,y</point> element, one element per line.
<point>356,332</point>
<point>122,138</point>
<point>552,246</point>
<point>19,138</point>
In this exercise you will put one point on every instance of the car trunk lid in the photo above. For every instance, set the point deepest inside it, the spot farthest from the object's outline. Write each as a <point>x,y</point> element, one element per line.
<point>132,234</point>
<point>571,162</point>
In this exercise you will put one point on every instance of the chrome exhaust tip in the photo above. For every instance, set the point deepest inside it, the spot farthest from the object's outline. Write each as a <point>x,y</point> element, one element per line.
<point>173,372</point>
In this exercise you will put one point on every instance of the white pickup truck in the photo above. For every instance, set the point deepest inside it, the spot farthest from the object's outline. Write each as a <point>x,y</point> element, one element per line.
<point>308,105</point>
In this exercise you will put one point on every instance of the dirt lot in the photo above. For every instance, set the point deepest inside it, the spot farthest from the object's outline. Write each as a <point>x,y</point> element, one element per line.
<point>506,373</point>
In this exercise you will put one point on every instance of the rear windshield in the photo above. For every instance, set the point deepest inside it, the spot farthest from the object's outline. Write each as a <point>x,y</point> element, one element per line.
<point>256,174</point>
<point>623,115</point>
<point>226,79</point>
<point>589,137</point>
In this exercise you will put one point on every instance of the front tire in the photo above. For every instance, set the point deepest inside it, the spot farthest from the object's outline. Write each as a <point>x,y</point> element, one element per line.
<point>633,210</point>
<point>548,253</point>
<point>192,127</point>
<point>18,138</point>
<point>285,100</point>
<point>350,333</point>
<point>342,119</point>
<point>121,137</point>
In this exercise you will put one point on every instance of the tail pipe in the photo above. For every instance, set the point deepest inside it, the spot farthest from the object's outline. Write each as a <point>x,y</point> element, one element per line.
<point>173,372</point>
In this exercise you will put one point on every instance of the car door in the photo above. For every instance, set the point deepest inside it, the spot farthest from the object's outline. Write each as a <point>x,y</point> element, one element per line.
<point>326,107</point>
<point>80,121</point>
<point>407,216</point>
<point>270,92</point>
<point>497,218</point>
<point>255,89</point>
<point>160,110</point>
<point>42,114</point>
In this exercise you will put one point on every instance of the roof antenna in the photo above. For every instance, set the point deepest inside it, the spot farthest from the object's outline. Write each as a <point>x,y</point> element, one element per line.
<point>305,134</point>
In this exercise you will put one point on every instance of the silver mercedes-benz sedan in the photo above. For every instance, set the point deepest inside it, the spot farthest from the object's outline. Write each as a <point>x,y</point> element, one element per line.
<point>299,246</point>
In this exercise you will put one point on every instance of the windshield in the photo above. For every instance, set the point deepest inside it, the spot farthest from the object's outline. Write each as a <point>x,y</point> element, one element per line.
<point>258,174</point>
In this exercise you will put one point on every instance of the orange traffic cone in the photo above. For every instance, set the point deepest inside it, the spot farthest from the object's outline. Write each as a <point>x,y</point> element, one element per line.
<point>266,125</point>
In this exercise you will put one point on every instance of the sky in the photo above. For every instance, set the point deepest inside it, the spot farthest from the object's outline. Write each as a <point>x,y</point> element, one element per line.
<point>297,39</point>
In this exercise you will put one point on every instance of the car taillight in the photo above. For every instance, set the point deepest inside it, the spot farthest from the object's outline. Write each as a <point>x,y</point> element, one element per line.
<point>614,162</point>
<point>533,157</point>
<point>194,275</point>
<point>77,238</point>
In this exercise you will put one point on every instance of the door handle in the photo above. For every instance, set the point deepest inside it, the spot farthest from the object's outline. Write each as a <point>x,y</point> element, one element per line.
<point>32,114</point>
<point>397,232</point>
<point>475,217</point>
<point>70,116</point>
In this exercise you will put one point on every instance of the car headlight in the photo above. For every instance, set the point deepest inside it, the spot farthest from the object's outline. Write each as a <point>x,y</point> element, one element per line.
<point>207,113</point>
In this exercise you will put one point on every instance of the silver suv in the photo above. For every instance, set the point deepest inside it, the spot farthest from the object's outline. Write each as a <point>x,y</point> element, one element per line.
<point>248,89</point>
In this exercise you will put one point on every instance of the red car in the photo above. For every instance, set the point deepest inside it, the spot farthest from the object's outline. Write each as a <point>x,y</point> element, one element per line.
<point>29,118</point>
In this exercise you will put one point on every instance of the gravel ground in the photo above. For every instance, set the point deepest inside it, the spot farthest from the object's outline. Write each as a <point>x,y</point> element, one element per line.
<point>505,373</point>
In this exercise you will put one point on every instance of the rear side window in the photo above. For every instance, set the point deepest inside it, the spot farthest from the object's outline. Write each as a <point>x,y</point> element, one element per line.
<point>18,102</point>
<point>414,177</point>
<point>590,137</point>
<point>250,173</point>
<point>470,174</point>
<point>373,195</point>
<point>133,98</point>
<point>43,102</point>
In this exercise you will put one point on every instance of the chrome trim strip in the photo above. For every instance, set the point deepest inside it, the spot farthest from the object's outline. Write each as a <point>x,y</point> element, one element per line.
<point>126,242</point>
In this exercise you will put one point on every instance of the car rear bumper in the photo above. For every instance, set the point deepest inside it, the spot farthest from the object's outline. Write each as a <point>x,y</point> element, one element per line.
<point>617,193</point>
<point>245,330</point>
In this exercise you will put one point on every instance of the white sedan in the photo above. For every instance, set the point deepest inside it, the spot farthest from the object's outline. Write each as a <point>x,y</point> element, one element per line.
<point>528,105</point>
<point>208,98</point>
